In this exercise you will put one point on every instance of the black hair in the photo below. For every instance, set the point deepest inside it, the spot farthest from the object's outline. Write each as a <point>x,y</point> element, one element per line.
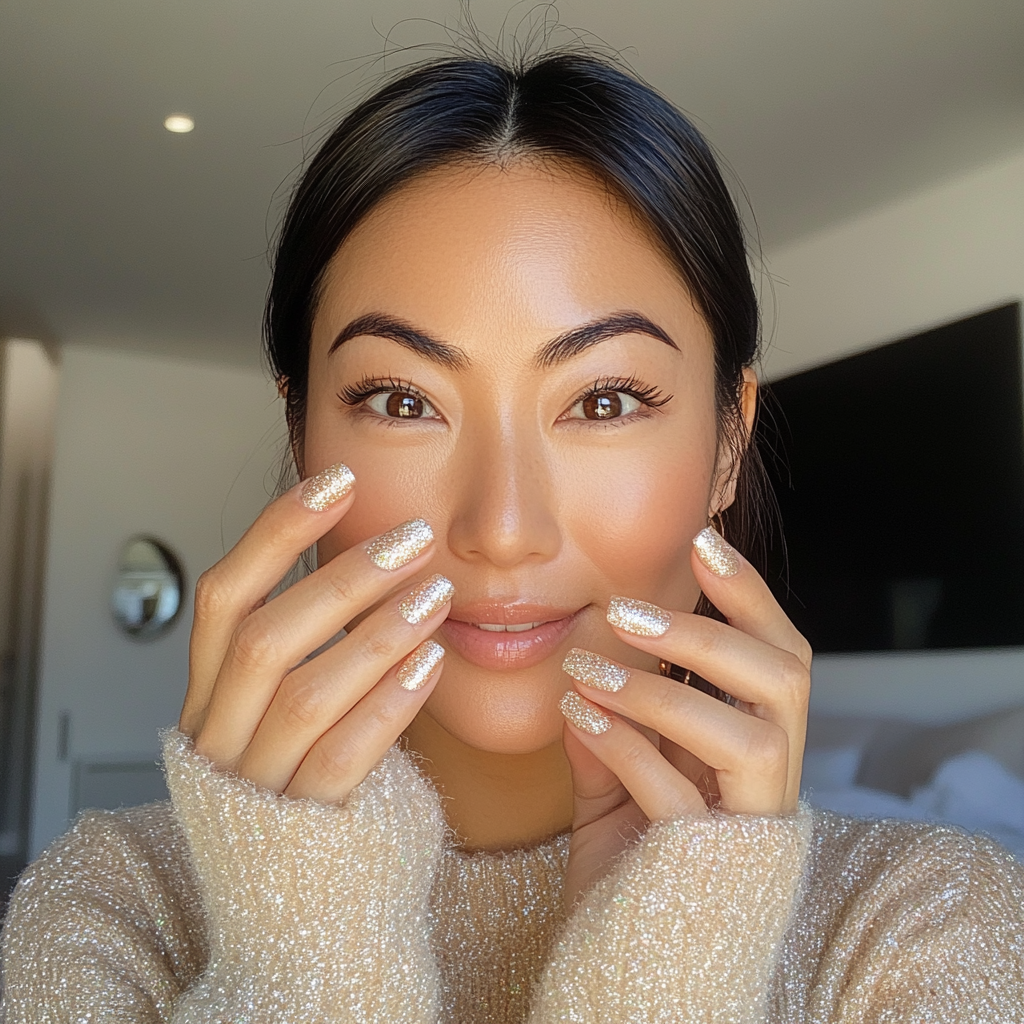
<point>570,106</point>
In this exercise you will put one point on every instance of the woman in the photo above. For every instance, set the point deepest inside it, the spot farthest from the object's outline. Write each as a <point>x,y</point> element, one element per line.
<point>513,323</point>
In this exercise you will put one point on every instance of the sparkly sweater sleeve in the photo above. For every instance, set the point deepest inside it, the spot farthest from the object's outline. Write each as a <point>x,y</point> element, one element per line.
<point>688,927</point>
<point>294,910</point>
<point>317,913</point>
<point>931,930</point>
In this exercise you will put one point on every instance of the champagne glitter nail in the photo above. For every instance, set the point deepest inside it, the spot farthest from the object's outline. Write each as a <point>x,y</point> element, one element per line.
<point>419,666</point>
<point>401,545</point>
<point>638,617</point>
<point>715,553</point>
<point>583,714</point>
<point>592,669</point>
<point>426,598</point>
<point>327,488</point>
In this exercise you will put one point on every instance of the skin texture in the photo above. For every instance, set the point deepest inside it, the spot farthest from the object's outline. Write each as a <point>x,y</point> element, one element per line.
<point>529,501</point>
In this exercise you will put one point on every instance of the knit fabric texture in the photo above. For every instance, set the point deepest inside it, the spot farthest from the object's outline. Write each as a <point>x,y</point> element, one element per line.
<point>234,904</point>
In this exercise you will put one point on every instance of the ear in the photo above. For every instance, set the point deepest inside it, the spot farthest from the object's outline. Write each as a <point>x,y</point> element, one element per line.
<point>294,439</point>
<point>731,452</point>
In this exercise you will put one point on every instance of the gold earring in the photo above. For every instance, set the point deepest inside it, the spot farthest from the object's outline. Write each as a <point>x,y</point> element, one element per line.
<point>665,668</point>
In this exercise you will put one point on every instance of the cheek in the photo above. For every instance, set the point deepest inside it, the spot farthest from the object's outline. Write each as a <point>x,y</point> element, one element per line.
<point>393,483</point>
<point>634,513</point>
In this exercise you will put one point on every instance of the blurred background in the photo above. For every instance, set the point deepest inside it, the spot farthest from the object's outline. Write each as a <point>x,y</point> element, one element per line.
<point>880,144</point>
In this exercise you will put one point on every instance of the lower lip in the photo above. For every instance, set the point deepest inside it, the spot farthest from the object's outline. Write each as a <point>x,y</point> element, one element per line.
<point>492,650</point>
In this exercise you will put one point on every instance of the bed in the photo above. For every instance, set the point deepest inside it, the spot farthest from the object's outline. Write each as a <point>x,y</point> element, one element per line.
<point>968,773</point>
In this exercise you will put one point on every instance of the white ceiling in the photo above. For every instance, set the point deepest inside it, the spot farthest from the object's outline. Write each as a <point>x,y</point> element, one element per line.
<point>113,231</point>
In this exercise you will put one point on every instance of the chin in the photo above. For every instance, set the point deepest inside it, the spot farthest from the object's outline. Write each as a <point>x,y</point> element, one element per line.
<point>500,713</point>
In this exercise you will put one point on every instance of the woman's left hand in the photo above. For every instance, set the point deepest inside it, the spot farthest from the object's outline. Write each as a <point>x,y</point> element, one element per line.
<point>653,750</point>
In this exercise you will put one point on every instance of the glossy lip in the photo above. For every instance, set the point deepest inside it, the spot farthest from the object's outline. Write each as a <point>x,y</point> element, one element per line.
<point>507,651</point>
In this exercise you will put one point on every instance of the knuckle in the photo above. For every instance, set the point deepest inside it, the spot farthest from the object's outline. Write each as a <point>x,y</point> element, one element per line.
<point>767,747</point>
<point>210,595</point>
<point>332,762</point>
<point>255,643</point>
<point>378,646</point>
<point>794,680</point>
<point>706,637</point>
<point>384,717</point>
<point>300,705</point>
<point>804,652</point>
<point>340,588</point>
<point>665,702</point>
<point>634,757</point>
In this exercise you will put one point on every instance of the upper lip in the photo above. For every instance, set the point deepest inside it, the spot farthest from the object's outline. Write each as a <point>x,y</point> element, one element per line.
<point>509,613</point>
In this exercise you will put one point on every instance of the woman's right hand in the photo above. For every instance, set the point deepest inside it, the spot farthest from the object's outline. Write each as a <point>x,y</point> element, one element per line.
<point>312,728</point>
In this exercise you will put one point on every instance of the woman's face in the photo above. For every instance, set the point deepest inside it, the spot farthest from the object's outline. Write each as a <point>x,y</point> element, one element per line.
<point>558,461</point>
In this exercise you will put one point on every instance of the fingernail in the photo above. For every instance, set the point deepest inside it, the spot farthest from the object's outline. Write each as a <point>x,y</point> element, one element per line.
<point>401,545</point>
<point>718,556</point>
<point>419,666</point>
<point>592,669</point>
<point>428,597</point>
<point>583,714</point>
<point>638,617</point>
<point>327,488</point>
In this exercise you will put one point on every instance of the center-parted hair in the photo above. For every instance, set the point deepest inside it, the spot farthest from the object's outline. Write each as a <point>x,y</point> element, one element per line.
<point>576,107</point>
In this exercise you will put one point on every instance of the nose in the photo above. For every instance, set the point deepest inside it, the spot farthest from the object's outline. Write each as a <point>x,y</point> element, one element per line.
<point>504,512</point>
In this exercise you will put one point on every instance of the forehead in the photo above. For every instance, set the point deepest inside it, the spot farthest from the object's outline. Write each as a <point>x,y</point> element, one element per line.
<point>524,250</point>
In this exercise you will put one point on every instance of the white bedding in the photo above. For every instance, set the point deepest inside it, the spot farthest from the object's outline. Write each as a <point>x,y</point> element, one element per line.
<point>972,790</point>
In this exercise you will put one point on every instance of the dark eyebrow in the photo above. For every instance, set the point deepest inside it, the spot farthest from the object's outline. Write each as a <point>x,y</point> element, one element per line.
<point>381,325</point>
<point>573,342</point>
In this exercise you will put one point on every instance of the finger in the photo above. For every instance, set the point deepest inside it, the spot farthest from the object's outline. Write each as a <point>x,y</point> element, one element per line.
<point>316,695</point>
<point>752,670</point>
<point>273,639</point>
<point>737,590</point>
<point>774,684</point>
<point>241,580</point>
<point>597,790</point>
<point>658,789</point>
<point>750,756</point>
<point>702,775</point>
<point>346,753</point>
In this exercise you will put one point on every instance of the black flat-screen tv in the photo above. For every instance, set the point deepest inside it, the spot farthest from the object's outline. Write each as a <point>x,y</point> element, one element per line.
<point>899,474</point>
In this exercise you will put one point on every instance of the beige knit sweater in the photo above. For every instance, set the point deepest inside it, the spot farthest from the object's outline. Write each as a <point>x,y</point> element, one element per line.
<point>232,904</point>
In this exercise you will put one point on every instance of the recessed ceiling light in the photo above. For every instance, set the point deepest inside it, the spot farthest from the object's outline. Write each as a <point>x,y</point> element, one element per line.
<point>179,123</point>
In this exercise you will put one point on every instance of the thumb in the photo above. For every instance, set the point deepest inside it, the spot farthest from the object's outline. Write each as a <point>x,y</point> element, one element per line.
<point>596,789</point>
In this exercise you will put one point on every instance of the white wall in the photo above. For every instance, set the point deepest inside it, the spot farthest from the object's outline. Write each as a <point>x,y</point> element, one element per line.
<point>941,254</point>
<point>28,403</point>
<point>183,451</point>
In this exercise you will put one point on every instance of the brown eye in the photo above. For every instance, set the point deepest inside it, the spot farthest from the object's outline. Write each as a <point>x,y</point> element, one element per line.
<point>404,405</point>
<point>603,405</point>
<point>401,405</point>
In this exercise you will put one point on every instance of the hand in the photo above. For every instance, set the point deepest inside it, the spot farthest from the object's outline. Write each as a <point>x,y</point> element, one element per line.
<point>311,728</point>
<point>657,750</point>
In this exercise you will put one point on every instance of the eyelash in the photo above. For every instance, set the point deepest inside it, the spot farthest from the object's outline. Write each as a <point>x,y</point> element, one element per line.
<point>647,395</point>
<point>355,394</point>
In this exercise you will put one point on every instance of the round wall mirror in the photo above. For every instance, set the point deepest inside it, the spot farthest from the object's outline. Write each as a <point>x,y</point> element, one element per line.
<point>147,594</point>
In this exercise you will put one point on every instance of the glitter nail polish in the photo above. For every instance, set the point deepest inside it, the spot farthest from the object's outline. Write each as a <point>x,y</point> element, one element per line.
<point>583,714</point>
<point>592,669</point>
<point>327,488</point>
<point>426,598</point>
<point>401,545</point>
<point>419,666</point>
<point>638,617</point>
<point>715,553</point>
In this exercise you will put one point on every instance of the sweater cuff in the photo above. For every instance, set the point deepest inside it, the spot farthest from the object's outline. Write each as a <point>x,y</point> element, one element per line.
<point>314,911</point>
<point>688,926</point>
